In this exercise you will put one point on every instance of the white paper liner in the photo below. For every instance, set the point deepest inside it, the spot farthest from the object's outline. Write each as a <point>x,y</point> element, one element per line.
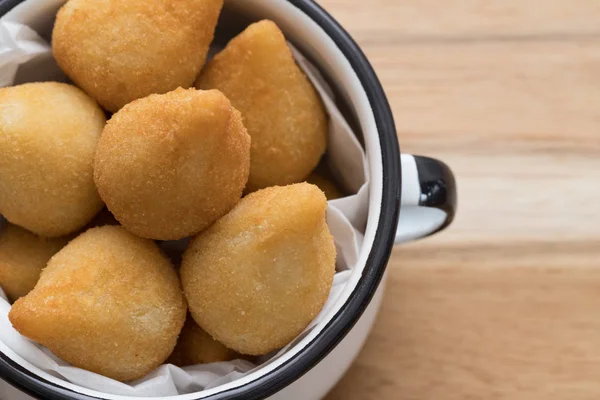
<point>26,57</point>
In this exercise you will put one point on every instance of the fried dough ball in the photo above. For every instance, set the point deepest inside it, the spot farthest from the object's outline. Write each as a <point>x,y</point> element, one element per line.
<point>48,135</point>
<point>23,255</point>
<point>323,178</point>
<point>257,277</point>
<point>119,51</point>
<point>108,302</point>
<point>195,346</point>
<point>282,111</point>
<point>169,165</point>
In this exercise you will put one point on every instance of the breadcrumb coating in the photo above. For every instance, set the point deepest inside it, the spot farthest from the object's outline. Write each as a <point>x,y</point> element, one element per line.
<point>257,277</point>
<point>169,165</point>
<point>23,255</point>
<point>119,51</point>
<point>48,136</point>
<point>281,110</point>
<point>109,302</point>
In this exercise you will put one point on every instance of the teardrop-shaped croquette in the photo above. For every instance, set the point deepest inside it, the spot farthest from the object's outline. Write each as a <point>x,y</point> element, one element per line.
<point>195,346</point>
<point>48,136</point>
<point>257,277</point>
<point>282,111</point>
<point>169,165</point>
<point>23,255</point>
<point>108,302</point>
<point>119,51</point>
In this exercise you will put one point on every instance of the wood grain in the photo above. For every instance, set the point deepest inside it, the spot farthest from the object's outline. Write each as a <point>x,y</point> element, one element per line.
<point>504,304</point>
<point>484,322</point>
<point>390,21</point>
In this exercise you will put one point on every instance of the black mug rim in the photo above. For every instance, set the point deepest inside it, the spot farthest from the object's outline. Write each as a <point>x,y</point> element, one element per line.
<point>339,326</point>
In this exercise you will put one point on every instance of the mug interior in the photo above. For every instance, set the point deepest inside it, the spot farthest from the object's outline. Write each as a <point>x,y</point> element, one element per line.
<point>317,45</point>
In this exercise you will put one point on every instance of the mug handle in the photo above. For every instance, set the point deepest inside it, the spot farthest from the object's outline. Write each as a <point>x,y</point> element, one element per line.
<point>428,201</point>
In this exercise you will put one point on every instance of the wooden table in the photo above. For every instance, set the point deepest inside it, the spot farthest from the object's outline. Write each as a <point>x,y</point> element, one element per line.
<point>506,303</point>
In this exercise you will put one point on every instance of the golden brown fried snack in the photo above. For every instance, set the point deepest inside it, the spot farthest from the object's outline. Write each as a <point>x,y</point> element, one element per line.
<point>257,277</point>
<point>108,302</point>
<point>323,178</point>
<point>195,346</point>
<point>119,51</point>
<point>48,135</point>
<point>23,255</point>
<point>169,165</point>
<point>282,111</point>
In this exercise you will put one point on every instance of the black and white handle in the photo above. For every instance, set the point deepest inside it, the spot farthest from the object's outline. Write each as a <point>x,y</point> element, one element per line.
<point>428,202</point>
